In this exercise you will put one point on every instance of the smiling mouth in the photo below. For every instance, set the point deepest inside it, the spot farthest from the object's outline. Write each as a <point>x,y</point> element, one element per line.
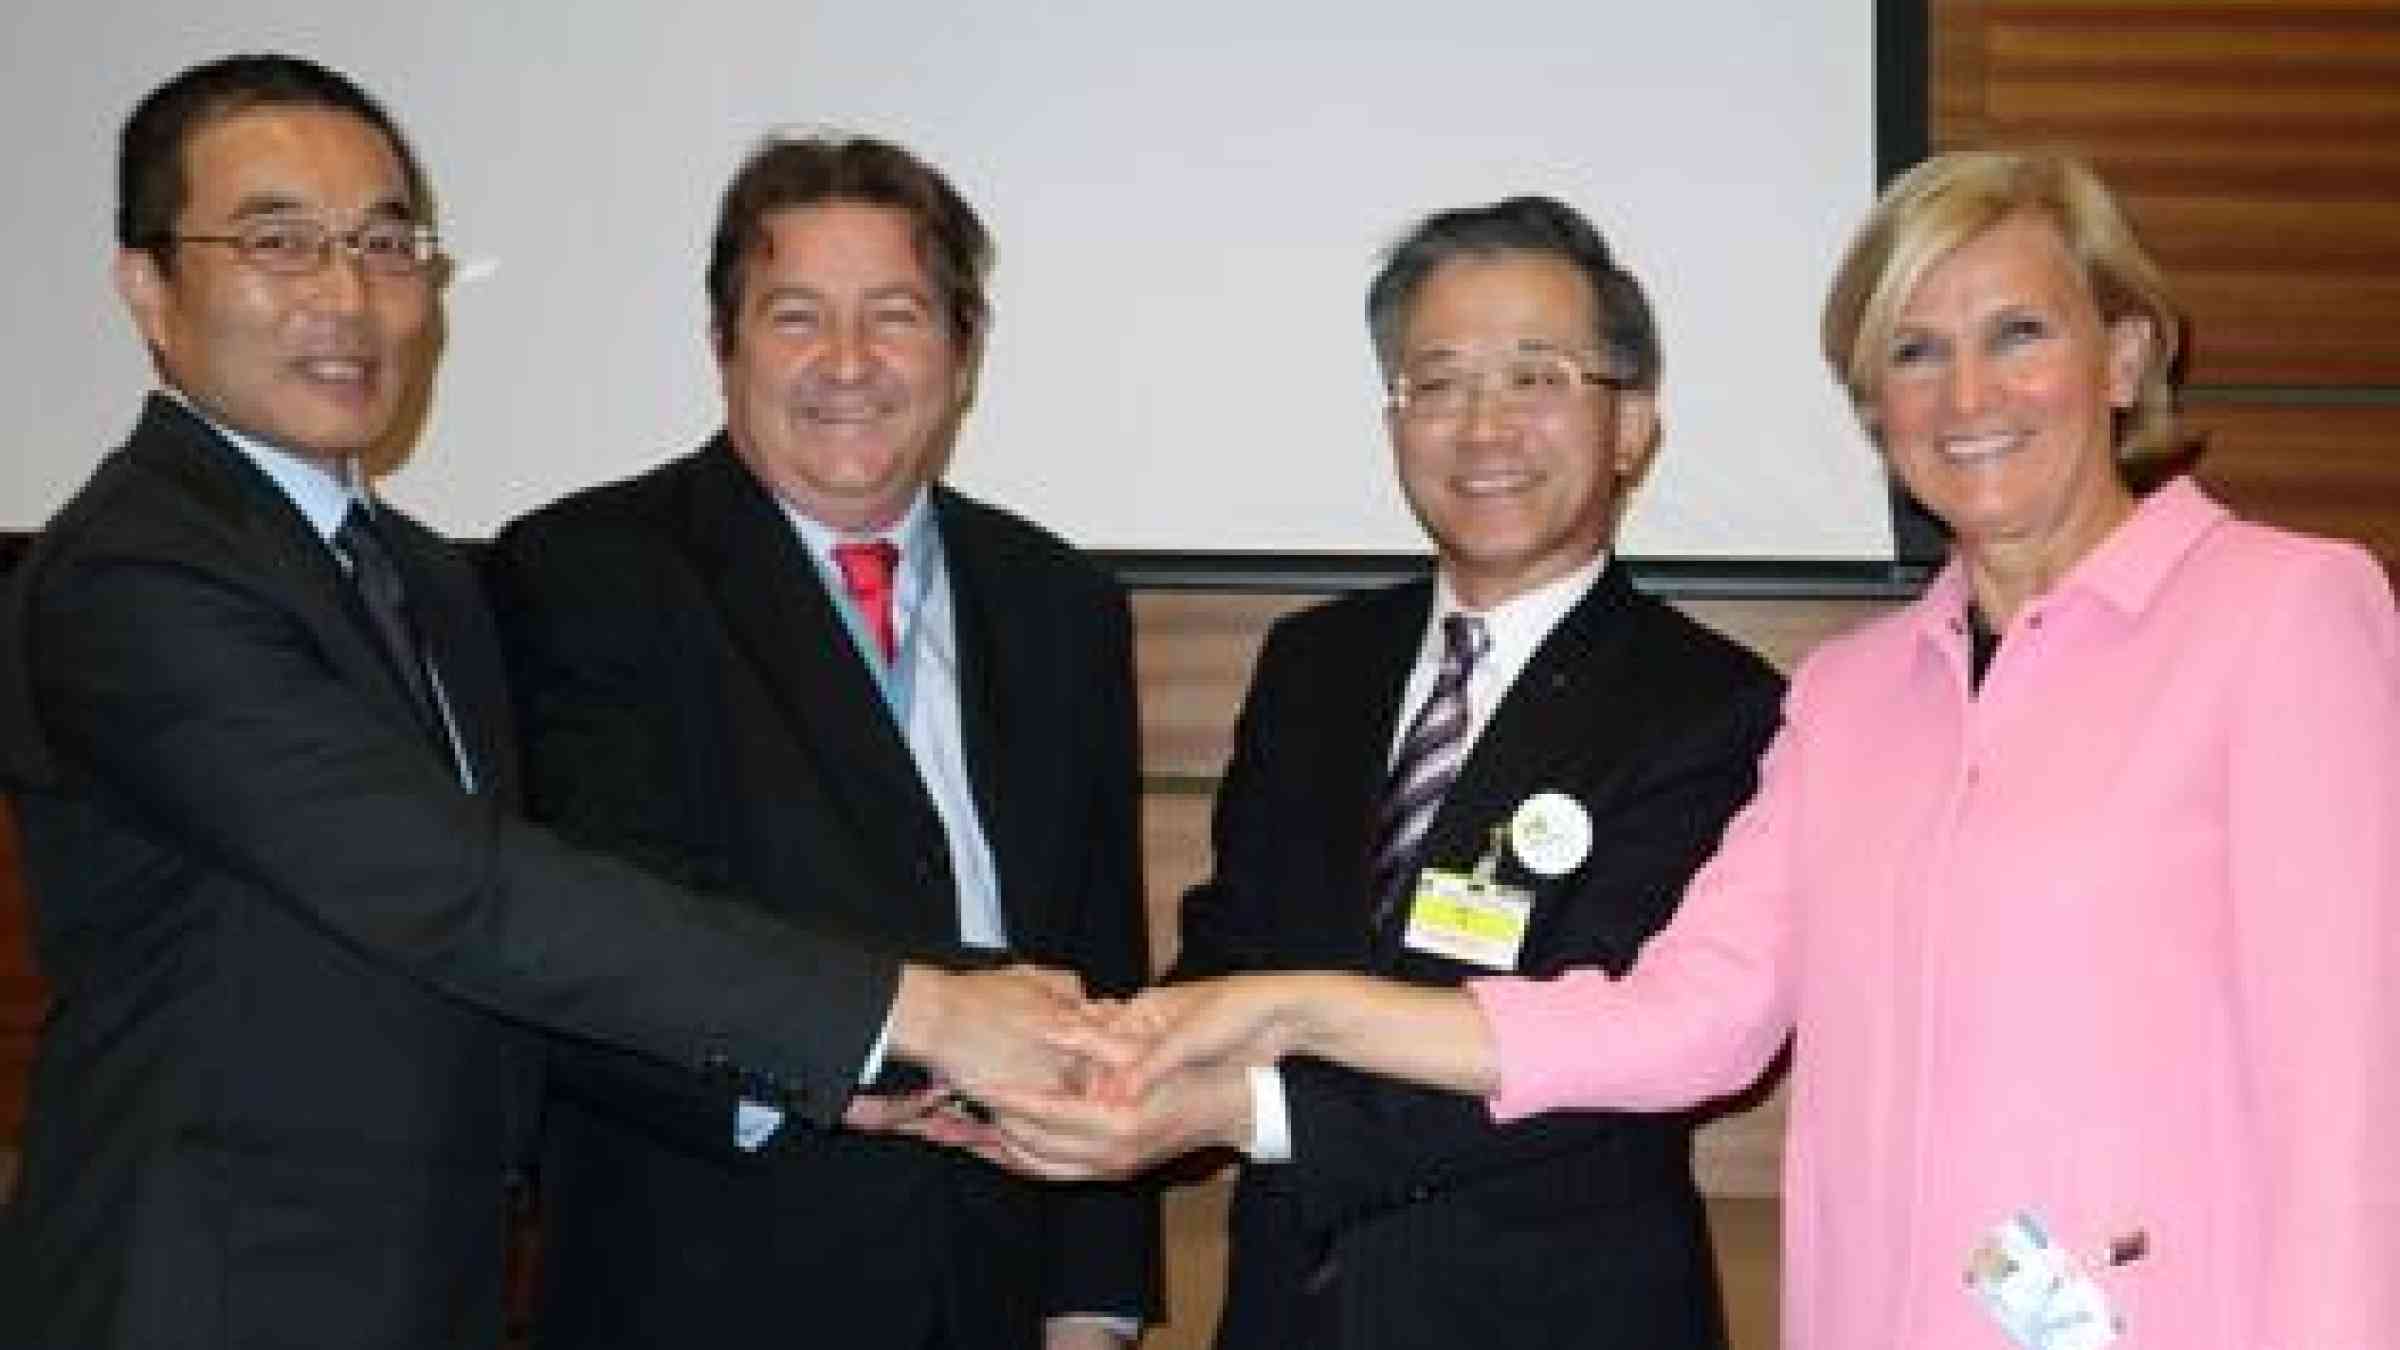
<point>342,375</point>
<point>343,372</point>
<point>844,414</point>
<point>1494,484</point>
<point>1985,446</point>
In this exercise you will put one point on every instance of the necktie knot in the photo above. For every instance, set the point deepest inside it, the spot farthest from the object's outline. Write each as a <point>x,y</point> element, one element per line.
<point>1464,641</point>
<point>382,596</point>
<point>361,546</point>
<point>866,566</point>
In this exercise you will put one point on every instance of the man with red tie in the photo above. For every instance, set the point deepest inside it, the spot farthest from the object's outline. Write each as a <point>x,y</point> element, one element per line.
<point>302,946</point>
<point>794,654</point>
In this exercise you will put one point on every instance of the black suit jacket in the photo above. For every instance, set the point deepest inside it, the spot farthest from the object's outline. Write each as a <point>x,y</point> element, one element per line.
<point>1407,1218</point>
<point>693,700</point>
<point>289,1064</point>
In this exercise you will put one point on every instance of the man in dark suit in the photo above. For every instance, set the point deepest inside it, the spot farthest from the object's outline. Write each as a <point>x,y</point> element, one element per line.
<point>1514,766</point>
<point>254,719</point>
<point>794,654</point>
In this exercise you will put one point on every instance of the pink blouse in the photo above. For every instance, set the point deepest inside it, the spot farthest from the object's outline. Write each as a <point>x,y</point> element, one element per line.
<point>2114,942</point>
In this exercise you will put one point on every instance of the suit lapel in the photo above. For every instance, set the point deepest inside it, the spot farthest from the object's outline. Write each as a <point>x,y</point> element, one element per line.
<point>455,625</point>
<point>1359,716</point>
<point>782,620</point>
<point>295,561</point>
<point>1556,722</point>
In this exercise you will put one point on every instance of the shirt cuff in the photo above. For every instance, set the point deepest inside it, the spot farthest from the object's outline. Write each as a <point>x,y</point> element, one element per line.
<point>1125,1328</point>
<point>868,1071</point>
<point>1270,1117</point>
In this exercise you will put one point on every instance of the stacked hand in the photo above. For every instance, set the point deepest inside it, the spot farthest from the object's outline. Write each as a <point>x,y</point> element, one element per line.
<point>1035,1078</point>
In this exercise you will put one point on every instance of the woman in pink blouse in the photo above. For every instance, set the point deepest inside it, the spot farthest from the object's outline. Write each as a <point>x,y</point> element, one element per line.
<point>2076,882</point>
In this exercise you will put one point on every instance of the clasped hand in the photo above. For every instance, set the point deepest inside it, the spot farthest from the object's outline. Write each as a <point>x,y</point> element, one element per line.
<point>1097,1088</point>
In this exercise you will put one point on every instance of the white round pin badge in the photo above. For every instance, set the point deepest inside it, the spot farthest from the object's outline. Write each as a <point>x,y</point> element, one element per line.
<point>1550,834</point>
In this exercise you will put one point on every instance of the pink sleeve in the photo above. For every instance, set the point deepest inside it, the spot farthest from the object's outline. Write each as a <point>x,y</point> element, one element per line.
<point>2313,849</point>
<point>1704,1007</point>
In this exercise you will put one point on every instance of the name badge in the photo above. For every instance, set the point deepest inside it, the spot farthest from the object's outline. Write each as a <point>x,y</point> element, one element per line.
<point>1468,918</point>
<point>2038,1292</point>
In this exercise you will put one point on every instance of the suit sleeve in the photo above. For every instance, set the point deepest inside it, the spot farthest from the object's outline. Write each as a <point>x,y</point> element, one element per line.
<point>1362,1144</point>
<point>590,650</point>
<point>2313,851</point>
<point>1106,1258</point>
<point>193,691</point>
<point>587,637</point>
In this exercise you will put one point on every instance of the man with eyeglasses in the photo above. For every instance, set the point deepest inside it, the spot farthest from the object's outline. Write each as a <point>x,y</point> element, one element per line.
<point>832,665</point>
<point>301,948</point>
<point>1512,766</point>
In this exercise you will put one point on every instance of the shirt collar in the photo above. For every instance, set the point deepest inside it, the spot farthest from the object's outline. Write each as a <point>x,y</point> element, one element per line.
<point>915,534</point>
<point>911,533</point>
<point>1518,624</point>
<point>2126,571</point>
<point>2131,566</point>
<point>320,494</point>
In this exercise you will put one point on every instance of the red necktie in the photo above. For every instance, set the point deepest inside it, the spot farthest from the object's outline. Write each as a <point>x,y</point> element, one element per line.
<point>867,574</point>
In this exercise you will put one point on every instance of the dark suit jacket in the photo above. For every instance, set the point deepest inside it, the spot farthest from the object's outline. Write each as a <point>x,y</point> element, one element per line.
<point>1407,1218</point>
<point>693,700</point>
<point>288,1068</point>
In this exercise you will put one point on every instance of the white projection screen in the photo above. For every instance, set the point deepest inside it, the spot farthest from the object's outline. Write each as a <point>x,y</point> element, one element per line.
<point>1188,199</point>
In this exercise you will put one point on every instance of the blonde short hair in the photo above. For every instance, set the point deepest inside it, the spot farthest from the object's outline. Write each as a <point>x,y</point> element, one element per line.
<point>1952,198</point>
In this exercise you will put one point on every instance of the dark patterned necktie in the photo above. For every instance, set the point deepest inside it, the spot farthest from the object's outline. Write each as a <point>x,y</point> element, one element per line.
<point>383,597</point>
<point>1423,768</point>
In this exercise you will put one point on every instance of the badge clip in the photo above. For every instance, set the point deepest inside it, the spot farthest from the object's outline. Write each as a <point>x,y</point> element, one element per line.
<point>1488,866</point>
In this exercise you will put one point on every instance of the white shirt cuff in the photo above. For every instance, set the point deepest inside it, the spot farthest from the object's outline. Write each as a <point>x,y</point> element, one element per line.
<point>1125,1328</point>
<point>883,1042</point>
<point>1270,1117</point>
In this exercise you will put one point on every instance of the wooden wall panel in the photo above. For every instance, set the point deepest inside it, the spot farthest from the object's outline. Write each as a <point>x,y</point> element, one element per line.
<point>1192,657</point>
<point>2256,144</point>
<point>1782,631</point>
<point>2326,470</point>
<point>1175,856</point>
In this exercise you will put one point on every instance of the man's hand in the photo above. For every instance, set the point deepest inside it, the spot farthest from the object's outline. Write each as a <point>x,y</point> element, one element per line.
<point>1065,1136</point>
<point>936,1115</point>
<point>895,1112</point>
<point>1021,1024</point>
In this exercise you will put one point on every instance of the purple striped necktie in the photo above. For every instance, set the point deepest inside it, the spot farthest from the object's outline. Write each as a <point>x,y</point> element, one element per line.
<point>1423,768</point>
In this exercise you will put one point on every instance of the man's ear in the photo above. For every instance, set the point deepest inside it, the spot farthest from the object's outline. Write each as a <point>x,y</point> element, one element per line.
<point>1637,434</point>
<point>142,284</point>
<point>970,369</point>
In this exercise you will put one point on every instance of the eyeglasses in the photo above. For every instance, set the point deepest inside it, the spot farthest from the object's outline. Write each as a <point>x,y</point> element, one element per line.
<point>1523,385</point>
<point>299,246</point>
